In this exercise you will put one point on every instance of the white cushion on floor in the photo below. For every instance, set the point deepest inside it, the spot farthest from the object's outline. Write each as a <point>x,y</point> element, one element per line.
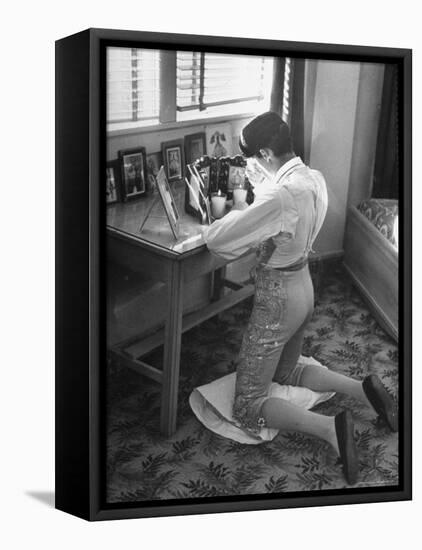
<point>206,400</point>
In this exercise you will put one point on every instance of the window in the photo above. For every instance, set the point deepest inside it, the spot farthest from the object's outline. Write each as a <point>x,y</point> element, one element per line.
<point>133,85</point>
<point>207,80</point>
<point>151,87</point>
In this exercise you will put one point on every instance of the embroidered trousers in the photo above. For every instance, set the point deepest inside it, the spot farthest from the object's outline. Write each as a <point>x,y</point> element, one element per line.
<point>272,343</point>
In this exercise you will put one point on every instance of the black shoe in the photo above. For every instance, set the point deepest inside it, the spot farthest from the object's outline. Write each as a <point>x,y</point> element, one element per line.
<point>381,400</point>
<point>347,446</point>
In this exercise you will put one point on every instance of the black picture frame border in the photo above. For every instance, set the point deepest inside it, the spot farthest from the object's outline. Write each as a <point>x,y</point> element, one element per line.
<point>80,245</point>
<point>132,151</point>
<point>115,166</point>
<point>178,143</point>
<point>188,139</point>
<point>173,217</point>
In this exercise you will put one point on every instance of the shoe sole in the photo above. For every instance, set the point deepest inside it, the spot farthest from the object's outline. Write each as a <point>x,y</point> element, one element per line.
<point>347,446</point>
<point>382,401</point>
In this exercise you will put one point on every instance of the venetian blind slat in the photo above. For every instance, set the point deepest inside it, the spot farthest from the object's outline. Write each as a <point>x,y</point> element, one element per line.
<point>133,84</point>
<point>213,79</point>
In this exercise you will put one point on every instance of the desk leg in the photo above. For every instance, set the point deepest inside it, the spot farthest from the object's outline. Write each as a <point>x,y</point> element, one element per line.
<point>172,344</point>
<point>218,286</point>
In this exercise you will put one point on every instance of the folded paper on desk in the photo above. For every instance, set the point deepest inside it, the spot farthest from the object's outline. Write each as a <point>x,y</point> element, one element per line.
<point>180,247</point>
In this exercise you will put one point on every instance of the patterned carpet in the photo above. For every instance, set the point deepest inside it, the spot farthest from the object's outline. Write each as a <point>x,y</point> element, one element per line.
<point>142,465</point>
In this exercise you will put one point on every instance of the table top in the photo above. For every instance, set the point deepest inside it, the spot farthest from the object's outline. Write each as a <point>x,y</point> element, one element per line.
<point>125,219</point>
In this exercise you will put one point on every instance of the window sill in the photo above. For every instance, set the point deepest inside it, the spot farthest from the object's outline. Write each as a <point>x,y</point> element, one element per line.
<point>176,125</point>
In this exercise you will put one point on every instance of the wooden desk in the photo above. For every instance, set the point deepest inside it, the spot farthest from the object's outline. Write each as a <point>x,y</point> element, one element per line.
<point>155,252</point>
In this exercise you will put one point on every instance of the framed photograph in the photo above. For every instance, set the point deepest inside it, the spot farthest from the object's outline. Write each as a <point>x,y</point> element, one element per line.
<point>152,424</point>
<point>195,147</point>
<point>134,173</point>
<point>174,160</point>
<point>195,193</point>
<point>168,201</point>
<point>237,173</point>
<point>154,163</point>
<point>208,168</point>
<point>113,182</point>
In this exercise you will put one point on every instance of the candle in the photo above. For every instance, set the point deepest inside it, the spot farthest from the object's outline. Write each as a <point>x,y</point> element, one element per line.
<point>239,195</point>
<point>218,204</point>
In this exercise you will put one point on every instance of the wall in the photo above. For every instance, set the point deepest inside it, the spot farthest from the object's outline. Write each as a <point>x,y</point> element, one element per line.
<point>366,132</point>
<point>152,139</point>
<point>335,102</point>
<point>343,130</point>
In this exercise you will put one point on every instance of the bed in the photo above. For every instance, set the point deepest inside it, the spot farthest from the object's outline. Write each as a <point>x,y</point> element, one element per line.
<point>371,257</point>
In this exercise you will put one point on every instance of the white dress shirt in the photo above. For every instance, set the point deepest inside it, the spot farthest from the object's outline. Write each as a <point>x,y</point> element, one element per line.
<point>290,209</point>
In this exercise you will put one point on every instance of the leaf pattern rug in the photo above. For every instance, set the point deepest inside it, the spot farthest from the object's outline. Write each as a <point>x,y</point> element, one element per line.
<point>142,465</point>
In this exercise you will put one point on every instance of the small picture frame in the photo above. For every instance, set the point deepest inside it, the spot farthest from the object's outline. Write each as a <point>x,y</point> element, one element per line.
<point>223,168</point>
<point>237,172</point>
<point>208,168</point>
<point>112,182</point>
<point>168,202</point>
<point>203,165</point>
<point>174,160</point>
<point>196,191</point>
<point>134,172</point>
<point>195,147</point>
<point>154,163</point>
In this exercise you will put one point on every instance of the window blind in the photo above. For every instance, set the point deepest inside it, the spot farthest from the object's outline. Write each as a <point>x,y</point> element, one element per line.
<point>133,84</point>
<point>209,79</point>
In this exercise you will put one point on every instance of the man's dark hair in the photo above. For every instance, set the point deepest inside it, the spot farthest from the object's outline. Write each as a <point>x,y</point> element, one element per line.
<point>266,130</point>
